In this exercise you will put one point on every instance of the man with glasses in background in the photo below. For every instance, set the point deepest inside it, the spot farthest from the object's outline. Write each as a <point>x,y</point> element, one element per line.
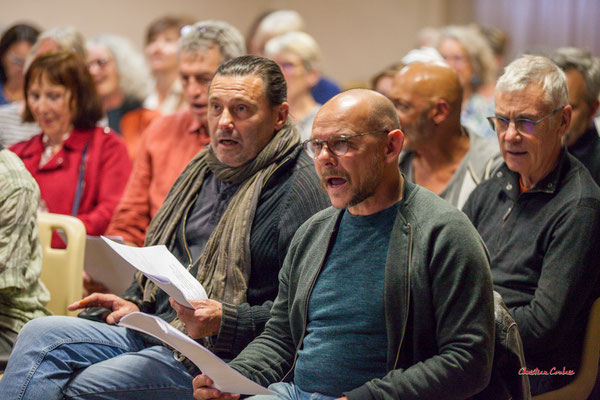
<point>385,295</point>
<point>539,216</point>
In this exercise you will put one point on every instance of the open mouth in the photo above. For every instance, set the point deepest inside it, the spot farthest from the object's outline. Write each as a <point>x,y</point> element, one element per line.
<point>227,142</point>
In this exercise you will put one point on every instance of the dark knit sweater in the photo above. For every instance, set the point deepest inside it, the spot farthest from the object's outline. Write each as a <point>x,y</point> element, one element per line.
<point>289,197</point>
<point>544,247</point>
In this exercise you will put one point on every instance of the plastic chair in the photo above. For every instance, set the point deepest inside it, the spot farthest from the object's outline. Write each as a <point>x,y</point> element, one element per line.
<point>62,268</point>
<point>583,384</point>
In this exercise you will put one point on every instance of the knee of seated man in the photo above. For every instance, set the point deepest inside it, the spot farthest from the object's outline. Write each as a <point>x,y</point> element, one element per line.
<point>45,327</point>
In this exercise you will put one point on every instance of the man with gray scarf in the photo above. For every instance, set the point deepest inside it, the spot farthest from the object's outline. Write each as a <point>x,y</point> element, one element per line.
<point>229,217</point>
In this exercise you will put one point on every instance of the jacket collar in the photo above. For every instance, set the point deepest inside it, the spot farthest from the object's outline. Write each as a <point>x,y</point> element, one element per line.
<point>509,180</point>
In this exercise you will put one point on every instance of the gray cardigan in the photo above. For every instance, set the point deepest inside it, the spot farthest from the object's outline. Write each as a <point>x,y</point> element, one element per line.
<point>438,304</point>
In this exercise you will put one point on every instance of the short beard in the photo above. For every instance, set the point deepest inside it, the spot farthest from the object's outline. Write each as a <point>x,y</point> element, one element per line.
<point>373,179</point>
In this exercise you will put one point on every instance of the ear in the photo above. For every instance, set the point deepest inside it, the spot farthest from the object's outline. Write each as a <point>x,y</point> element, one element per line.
<point>439,111</point>
<point>280,114</point>
<point>593,109</point>
<point>565,120</point>
<point>394,144</point>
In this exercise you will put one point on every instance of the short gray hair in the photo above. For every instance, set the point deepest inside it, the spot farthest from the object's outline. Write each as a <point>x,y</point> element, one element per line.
<point>479,51</point>
<point>134,74</point>
<point>298,43</point>
<point>538,70</point>
<point>277,23</point>
<point>572,58</point>
<point>205,34</point>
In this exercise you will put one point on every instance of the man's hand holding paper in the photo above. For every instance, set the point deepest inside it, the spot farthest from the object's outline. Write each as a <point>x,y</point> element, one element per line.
<point>203,320</point>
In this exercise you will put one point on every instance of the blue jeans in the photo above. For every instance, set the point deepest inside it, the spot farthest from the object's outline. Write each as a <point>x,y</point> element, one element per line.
<point>56,357</point>
<point>289,391</point>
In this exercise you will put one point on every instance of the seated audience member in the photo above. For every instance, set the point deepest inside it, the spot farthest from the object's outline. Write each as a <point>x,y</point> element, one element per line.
<point>121,76</point>
<point>22,294</point>
<point>171,141</point>
<point>406,263</point>
<point>230,217</point>
<point>382,82</point>
<point>583,79</point>
<point>15,44</point>
<point>539,216</point>
<point>298,55</point>
<point>469,54</point>
<point>12,128</point>
<point>161,51</point>
<point>440,154</point>
<point>278,23</point>
<point>82,170</point>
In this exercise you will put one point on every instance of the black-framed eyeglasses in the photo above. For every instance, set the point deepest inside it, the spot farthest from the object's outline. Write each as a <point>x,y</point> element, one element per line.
<point>337,144</point>
<point>522,125</point>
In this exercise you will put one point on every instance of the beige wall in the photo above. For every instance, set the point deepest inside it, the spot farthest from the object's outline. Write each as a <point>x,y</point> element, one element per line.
<point>358,37</point>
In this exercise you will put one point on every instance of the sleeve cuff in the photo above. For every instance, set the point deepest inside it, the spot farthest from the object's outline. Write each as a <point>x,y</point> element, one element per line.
<point>227,331</point>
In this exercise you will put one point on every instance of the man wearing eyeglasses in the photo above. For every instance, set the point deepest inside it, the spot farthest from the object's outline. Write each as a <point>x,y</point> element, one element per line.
<point>539,216</point>
<point>440,154</point>
<point>385,295</point>
<point>229,218</point>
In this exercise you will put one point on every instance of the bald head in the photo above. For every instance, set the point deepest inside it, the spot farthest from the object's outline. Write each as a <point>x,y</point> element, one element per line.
<point>430,81</point>
<point>367,109</point>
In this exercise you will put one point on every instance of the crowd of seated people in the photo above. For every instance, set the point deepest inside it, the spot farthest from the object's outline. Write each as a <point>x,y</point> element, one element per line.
<point>461,191</point>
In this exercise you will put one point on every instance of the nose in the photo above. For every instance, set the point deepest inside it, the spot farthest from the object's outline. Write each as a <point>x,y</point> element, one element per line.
<point>511,134</point>
<point>225,120</point>
<point>325,156</point>
<point>195,89</point>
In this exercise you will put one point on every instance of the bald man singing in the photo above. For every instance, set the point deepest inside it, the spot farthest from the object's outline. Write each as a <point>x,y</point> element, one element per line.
<point>440,154</point>
<point>387,294</point>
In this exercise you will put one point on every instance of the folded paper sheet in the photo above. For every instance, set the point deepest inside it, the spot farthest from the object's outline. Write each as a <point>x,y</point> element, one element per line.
<point>226,379</point>
<point>162,268</point>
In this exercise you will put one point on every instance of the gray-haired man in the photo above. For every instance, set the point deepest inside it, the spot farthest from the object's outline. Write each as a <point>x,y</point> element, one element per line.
<point>583,79</point>
<point>171,141</point>
<point>539,216</point>
<point>229,217</point>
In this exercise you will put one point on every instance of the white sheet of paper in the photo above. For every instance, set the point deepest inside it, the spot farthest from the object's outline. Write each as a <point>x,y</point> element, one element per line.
<point>226,379</point>
<point>162,268</point>
<point>106,266</point>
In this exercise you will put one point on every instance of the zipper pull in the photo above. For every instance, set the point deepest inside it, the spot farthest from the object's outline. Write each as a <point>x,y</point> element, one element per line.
<point>506,213</point>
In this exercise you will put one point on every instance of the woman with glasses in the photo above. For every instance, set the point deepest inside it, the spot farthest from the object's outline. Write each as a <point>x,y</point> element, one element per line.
<point>122,82</point>
<point>81,169</point>
<point>14,47</point>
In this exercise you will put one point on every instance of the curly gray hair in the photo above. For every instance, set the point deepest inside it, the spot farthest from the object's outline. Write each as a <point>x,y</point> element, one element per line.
<point>205,34</point>
<point>134,74</point>
<point>572,58</point>
<point>538,70</point>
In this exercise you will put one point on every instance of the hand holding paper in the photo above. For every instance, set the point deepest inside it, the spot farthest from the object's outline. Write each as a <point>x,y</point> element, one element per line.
<point>162,268</point>
<point>204,320</point>
<point>225,378</point>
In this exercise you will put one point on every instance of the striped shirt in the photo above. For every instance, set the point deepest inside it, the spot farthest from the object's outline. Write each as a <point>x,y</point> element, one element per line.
<point>12,129</point>
<point>22,295</point>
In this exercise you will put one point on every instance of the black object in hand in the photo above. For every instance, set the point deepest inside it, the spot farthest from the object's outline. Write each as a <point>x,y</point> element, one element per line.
<point>95,313</point>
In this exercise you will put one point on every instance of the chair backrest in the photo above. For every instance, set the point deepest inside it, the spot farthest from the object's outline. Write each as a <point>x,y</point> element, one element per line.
<point>509,358</point>
<point>62,268</point>
<point>583,384</point>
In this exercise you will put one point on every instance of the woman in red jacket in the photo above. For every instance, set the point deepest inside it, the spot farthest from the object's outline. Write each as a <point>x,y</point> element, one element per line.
<point>81,169</point>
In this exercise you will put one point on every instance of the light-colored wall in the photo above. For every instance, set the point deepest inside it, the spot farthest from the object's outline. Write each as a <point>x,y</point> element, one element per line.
<point>358,37</point>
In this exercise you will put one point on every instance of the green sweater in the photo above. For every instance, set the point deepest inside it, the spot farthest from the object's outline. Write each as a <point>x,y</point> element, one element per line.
<point>438,304</point>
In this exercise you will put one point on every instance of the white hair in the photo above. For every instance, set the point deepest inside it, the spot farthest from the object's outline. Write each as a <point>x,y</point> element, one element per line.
<point>277,23</point>
<point>537,70</point>
<point>206,34</point>
<point>134,74</point>
<point>300,44</point>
